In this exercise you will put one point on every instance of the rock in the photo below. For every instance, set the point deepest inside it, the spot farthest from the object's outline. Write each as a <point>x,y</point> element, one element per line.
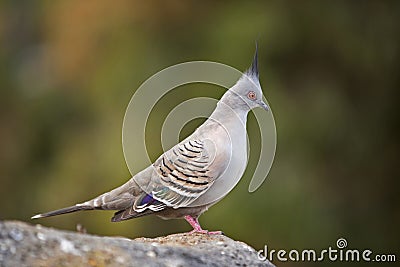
<point>22,244</point>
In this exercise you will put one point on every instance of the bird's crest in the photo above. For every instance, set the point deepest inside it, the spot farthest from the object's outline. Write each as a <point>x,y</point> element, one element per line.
<point>253,70</point>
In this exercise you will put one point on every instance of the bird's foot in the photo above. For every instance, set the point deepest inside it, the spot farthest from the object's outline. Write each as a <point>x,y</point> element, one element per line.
<point>197,228</point>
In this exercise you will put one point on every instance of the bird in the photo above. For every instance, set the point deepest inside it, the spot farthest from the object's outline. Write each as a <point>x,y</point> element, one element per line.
<point>194,174</point>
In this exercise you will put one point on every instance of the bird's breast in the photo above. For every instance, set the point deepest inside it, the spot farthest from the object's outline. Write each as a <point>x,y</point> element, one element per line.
<point>229,164</point>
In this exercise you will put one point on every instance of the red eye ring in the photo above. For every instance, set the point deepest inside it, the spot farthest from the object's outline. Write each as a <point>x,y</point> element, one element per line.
<point>252,95</point>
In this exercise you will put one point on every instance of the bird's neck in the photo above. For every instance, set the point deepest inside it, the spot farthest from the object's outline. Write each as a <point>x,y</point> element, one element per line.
<point>229,113</point>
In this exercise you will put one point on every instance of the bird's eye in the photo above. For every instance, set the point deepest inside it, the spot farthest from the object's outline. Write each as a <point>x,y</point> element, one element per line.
<point>252,95</point>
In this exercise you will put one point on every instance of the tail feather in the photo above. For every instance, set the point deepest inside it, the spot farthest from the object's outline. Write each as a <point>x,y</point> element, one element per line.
<point>63,211</point>
<point>129,213</point>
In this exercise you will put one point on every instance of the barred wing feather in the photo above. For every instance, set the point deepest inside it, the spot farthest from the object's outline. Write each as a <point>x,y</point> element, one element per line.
<point>184,173</point>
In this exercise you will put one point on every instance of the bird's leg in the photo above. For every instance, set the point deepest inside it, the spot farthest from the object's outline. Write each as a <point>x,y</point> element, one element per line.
<point>194,222</point>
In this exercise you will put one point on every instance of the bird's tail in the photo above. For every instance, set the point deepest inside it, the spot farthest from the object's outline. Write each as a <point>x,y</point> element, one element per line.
<point>119,198</point>
<point>77,207</point>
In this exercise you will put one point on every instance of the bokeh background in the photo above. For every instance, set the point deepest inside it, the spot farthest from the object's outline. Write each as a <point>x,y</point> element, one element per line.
<point>330,71</point>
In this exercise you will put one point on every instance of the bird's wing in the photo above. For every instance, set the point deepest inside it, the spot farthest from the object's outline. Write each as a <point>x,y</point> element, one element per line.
<point>184,174</point>
<point>177,178</point>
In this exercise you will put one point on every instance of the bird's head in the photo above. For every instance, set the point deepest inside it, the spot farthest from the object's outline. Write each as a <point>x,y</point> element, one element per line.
<point>246,93</point>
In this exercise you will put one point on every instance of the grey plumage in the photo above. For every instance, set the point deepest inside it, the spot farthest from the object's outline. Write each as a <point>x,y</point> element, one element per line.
<point>194,174</point>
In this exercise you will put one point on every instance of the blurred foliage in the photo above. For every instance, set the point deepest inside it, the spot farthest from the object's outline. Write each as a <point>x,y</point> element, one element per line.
<point>329,70</point>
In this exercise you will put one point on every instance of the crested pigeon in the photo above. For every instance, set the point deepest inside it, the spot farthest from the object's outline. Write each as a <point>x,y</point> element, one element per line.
<point>194,174</point>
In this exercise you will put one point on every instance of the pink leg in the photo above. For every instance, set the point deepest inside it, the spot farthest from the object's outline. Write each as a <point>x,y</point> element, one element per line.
<point>197,228</point>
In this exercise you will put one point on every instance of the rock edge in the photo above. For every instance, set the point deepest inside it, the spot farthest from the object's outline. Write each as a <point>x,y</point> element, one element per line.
<point>22,244</point>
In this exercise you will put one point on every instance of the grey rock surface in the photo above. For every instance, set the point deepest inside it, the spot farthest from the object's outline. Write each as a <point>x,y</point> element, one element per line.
<point>22,244</point>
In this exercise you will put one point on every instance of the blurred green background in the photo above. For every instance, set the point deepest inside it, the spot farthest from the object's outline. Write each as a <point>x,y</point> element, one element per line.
<point>330,71</point>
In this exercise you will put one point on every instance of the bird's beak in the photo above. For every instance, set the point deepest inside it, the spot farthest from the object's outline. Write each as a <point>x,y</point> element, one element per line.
<point>263,105</point>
